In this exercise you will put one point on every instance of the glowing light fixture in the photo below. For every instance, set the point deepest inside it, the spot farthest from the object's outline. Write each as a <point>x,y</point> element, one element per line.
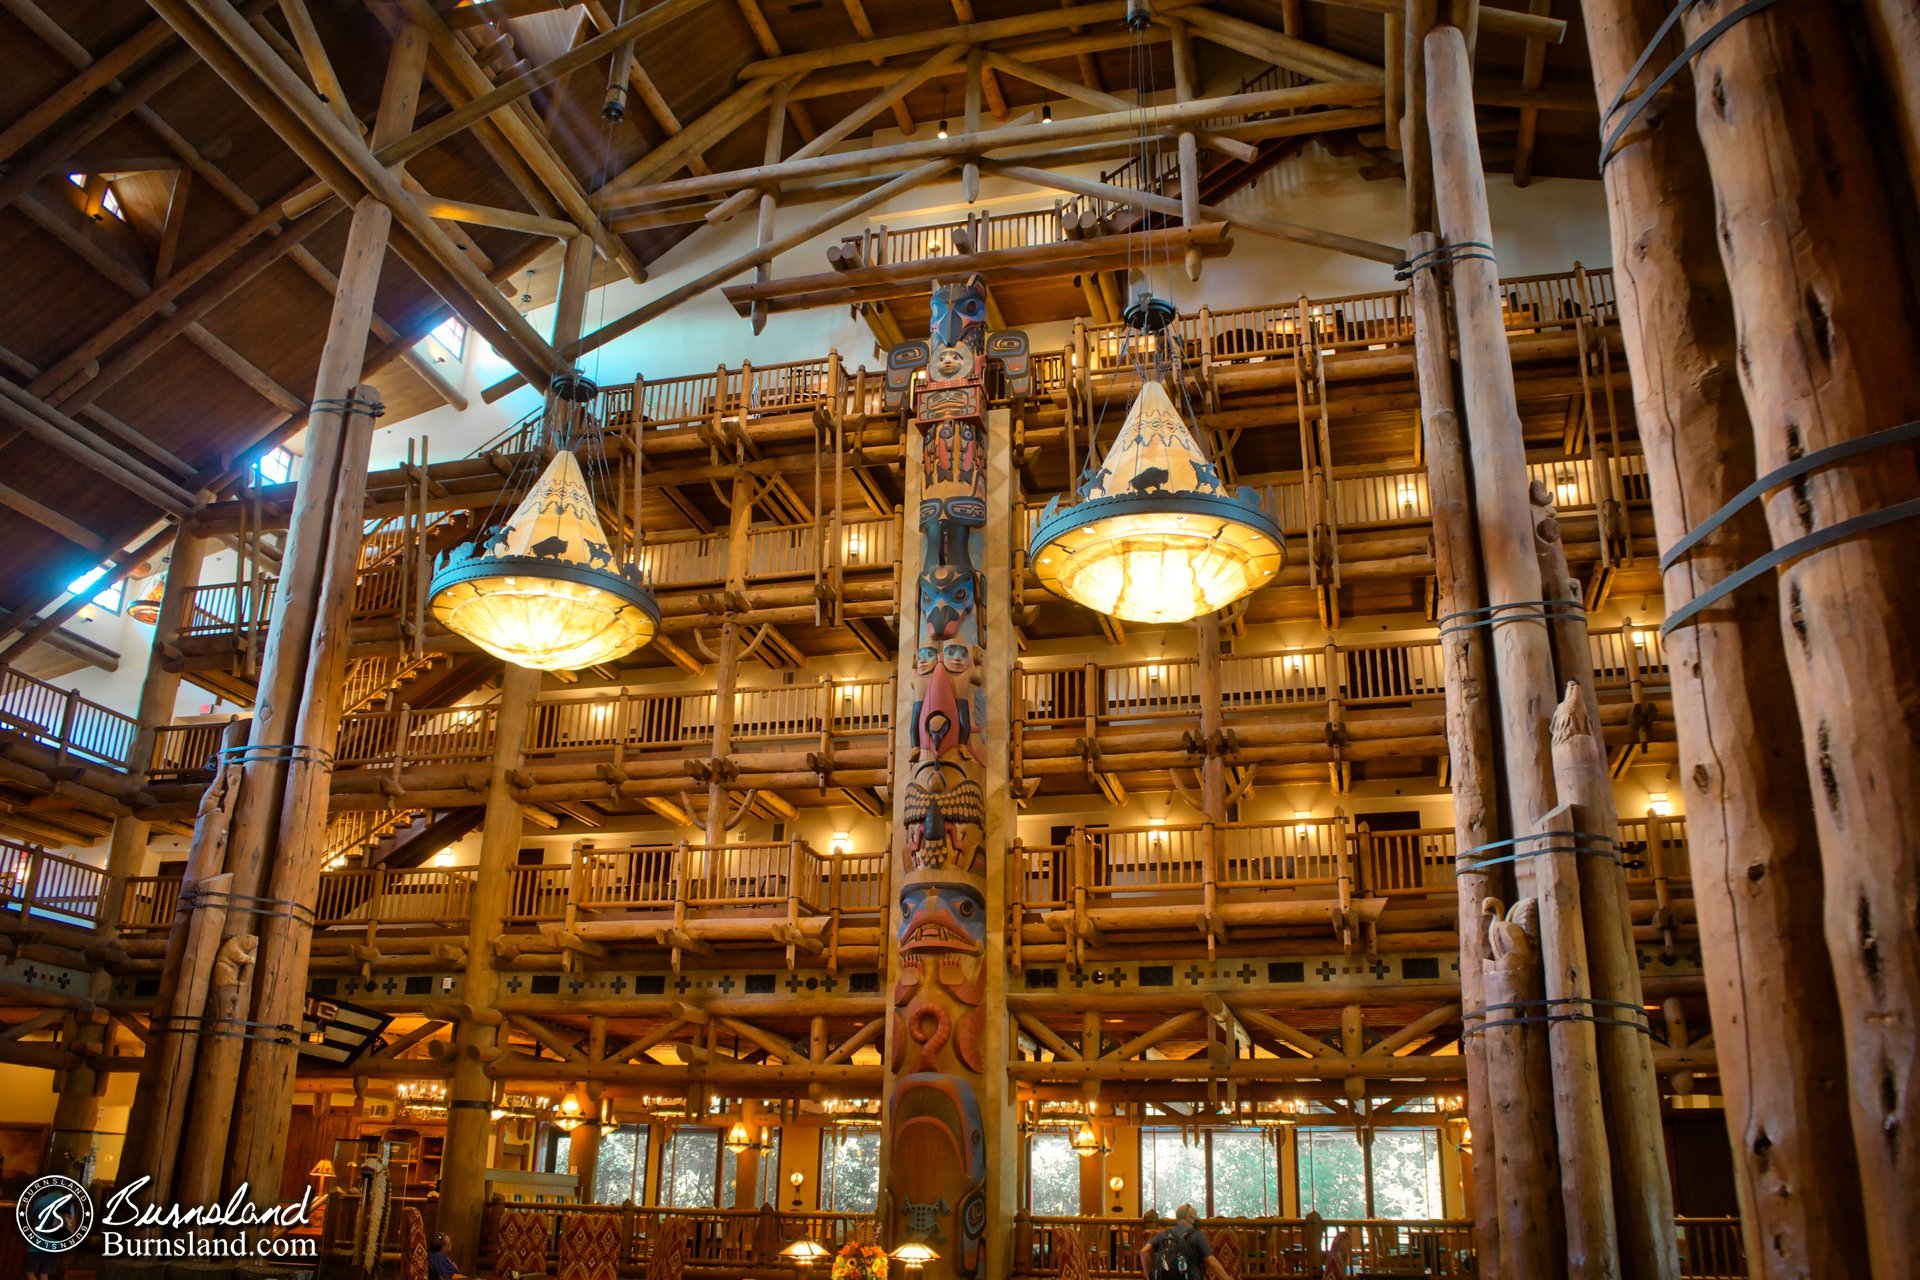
<point>542,591</point>
<point>1046,114</point>
<point>1155,536</point>
<point>1658,802</point>
<point>913,1255</point>
<point>568,1115</point>
<point>1086,1142</point>
<point>1302,821</point>
<point>804,1253</point>
<point>841,844</point>
<point>740,1138</point>
<point>147,608</point>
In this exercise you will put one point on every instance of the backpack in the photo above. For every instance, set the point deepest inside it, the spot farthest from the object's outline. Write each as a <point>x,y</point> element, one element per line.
<point>1173,1256</point>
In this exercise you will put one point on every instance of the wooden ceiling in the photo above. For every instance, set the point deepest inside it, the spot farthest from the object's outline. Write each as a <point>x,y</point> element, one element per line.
<point>219,365</point>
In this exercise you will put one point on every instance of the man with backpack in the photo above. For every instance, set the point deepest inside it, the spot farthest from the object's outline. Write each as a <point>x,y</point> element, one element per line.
<point>1181,1252</point>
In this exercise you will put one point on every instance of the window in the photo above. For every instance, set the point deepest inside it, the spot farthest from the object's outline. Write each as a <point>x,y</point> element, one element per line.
<point>447,343</point>
<point>275,466</point>
<point>556,1149</point>
<point>1397,1175</point>
<point>1406,1173</point>
<point>687,1172</point>
<point>621,1172</point>
<point>1245,1181</point>
<point>850,1170</point>
<point>1224,1173</point>
<point>766,1175</point>
<point>1053,1175</point>
<point>1173,1170</point>
<point>108,598</point>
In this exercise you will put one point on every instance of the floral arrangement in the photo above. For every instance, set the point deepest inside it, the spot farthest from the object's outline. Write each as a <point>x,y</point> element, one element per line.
<point>857,1261</point>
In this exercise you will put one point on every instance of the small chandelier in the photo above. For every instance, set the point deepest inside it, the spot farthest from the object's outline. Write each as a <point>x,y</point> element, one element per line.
<point>569,1115</point>
<point>543,590</point>
<point>147,608</point>
<point>1155,536</point>
<point>1086,1142</point>
<point>740,1139</point>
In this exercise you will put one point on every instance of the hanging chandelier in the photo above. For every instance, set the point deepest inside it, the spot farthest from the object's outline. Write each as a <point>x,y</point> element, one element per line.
<point>147,608</point>
<point>1155,537</point>
<point>544,590</point>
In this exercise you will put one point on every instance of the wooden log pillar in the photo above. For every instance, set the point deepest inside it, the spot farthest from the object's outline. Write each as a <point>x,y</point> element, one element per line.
<point>1752,847</point>
<point>726,666</point>
<point>477,1039</point>
<point>1473,773</point>
<point>76,1116</point>
<point>286,937</point>
<point>1523,660</point>
<point>1826,340</point>
<point>1186,82</point>
<point>948,1167</point>
<point>298,611</point>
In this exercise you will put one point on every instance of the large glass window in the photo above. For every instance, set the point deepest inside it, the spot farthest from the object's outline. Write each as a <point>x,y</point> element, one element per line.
<point>1333,1173</point>
<point>621,1172</point>
<point>1223,1173</point>
<point>689,1167</point>
<point>1053,1176</point>
<point>850,1170</point>
<point>1173,1170</point>
<point>1246,1180</point>
<point>1396,1175</point>
<point>1406,1173</point>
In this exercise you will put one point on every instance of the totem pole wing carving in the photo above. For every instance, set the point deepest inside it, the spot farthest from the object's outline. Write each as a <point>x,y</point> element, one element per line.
<point>1008,349</point>
<point>903,362</point>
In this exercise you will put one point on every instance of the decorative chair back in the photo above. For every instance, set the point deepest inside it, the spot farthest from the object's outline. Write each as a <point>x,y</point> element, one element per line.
<point>1226,1249</point>
<point>1069,1253</point>
<point>519,1241</point>
<point>1339,1252</point>
<point>413,1244</point>
<point>667,1256</point>
<point>589,1247</point>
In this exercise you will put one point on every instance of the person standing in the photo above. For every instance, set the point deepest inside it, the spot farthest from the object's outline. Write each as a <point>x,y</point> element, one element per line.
<point>1181,1252</point>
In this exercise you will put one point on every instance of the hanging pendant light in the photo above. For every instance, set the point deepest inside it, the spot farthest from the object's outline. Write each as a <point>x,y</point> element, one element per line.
<point>1155,536</point>
<point>147,608</point>
<point>543,590</point>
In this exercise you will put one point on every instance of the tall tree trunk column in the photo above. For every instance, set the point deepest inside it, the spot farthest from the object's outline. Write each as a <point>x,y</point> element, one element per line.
<point>948,1158</point>
<point>1515,1231</point>
<point>1826,324</point>
<point>1523,660</point>
<point>1751,841</point>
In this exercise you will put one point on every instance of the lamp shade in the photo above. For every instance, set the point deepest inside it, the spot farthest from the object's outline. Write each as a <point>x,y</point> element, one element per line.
<point>914,1254</point>
<point>542,591</point>
<point>147,608</point>
<point>1156,537</point>
<point>804,1251</point>
<point>321,1169</point>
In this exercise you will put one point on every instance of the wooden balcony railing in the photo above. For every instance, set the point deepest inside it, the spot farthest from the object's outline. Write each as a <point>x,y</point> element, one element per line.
<point>733,1240</point>
<point>1711,1249</point>
<point>1304,857</point>
<point>44,886</point>
<point>1269,1248</point>
<point>74,726</point>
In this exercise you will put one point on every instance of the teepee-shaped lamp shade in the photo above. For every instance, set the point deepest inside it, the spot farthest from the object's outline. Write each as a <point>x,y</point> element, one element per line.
<point>1155,537</point>
<point>543,590</point>
<point>147,608</point>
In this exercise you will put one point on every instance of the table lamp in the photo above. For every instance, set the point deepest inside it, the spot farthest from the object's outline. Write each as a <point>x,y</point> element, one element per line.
<point>913,1255</point>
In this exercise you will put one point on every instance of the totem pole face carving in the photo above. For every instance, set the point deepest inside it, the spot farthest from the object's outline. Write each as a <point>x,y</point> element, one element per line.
<point>936,1177</point>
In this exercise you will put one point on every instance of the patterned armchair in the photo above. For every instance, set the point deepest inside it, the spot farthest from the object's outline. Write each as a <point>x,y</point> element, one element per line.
<point>1069,1253</point>
<point>667,1256</point>
<point>590,1247</point>
<point>413,1244</point>
<point>1226,1251</point>
<point>519,1241</point>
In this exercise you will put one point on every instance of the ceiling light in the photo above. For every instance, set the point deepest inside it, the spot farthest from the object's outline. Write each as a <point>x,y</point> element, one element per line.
<point>943,126</point>
<point>543,591</point>
<point>1046,114</point>
<point>1155,537</point>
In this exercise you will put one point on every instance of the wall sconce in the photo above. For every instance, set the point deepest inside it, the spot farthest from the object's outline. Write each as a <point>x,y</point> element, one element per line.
<point>1156,837</point>
<point>1565,491</point>
<point>856,542</point>
<point>841,844</point>
<point>1409,497</point>
<point>1302,822</point>
<point>444,858</point>
<point>1154,671</point>
<point>1116,1184</point>
<point>795,1180</point>
<point>1639,638</point>
<point>1658,802</point>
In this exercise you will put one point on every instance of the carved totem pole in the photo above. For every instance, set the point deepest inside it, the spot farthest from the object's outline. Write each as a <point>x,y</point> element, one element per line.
<point>937,1166</point>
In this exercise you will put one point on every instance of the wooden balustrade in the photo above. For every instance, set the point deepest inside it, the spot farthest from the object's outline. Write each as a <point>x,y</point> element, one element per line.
<point>44,886</point>
<point>1270,1248</point>
<point>185,750</point>
<point>74,726</point>
<point>1711,1249</point>
<point>734,1240</point>
<point>148,903</point>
